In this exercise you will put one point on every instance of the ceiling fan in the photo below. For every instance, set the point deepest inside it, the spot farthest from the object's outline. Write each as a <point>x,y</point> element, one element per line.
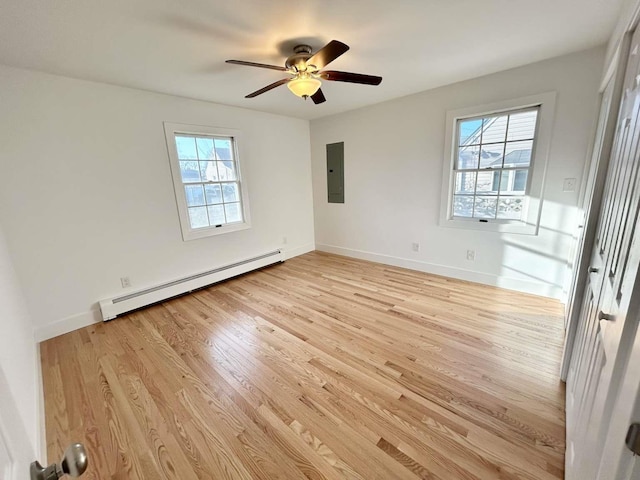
<point>306,71</point>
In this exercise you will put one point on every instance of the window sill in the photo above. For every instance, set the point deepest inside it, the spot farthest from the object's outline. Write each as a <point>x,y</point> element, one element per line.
<point>501,226</point>
<point>212,231</point>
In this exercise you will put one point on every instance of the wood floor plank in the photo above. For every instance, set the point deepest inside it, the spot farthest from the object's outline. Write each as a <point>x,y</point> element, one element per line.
<point>323,367</point>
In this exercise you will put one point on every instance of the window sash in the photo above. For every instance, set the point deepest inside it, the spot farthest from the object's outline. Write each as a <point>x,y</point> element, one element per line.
<point>221,183</point>
<point>497,170</point>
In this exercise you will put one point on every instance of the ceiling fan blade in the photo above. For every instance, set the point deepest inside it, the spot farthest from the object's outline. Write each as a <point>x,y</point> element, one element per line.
<point>336,76</point>
<point>268,87</point>
<point>327,54</point>
<point>318,97</point>
<point>253,64</point>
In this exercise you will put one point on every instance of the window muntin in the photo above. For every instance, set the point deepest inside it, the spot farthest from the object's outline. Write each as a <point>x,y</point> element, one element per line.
<point>209,190</point>
<point>491,165</point>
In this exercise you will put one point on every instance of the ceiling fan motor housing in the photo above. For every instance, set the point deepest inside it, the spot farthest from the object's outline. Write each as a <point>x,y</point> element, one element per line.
<point>298,61</point>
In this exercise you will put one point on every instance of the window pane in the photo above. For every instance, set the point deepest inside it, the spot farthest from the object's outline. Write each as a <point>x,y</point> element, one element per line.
<point>189,172</point>
<point>198,217</point>
<point>469,131</point>
<point>500,181</point>
<point>208,172</point>
<point>230,192</point>
<point>186,147</point>
<point>205,149</point>
<point>468,158</point>
<point>494,129</point>
<point>491,155</point>
<point>465,182</point>
<point>522,126</point>
<point>227,170</point>
<point>485,207</point>
<point>223,149</point>
<point>213,193</point>
<point>520,181</point>
<point>216,215</point>
<point>510,208</point>
<point>518,154</point>
<point>234,214</point>
<point>485,183</point>
<point>462,206</point>
<point>194,194</point>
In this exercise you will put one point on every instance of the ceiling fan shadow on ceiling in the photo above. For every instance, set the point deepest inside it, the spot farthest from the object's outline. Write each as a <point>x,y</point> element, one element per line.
<point>306,71</point>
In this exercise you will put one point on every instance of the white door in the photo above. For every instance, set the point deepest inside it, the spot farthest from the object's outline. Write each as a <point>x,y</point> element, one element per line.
<point>7,465</point>
<point>618,462</point>
<point>600,347</point>
<point>591,200</point>
<point>16,451</point>
<point>585,340</point>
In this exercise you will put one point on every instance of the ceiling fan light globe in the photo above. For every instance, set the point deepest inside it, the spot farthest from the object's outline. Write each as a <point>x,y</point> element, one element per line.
<point>304,87</point>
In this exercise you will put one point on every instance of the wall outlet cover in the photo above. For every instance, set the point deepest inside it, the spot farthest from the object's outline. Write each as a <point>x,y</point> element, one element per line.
<point>569,185</point>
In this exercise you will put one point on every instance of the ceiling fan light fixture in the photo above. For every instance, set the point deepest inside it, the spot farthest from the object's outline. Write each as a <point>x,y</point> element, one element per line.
<point>304,86</point>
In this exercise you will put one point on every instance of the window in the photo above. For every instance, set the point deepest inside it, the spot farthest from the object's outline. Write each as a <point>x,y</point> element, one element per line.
<point>495,165</point>
<point>206,176</point>
<point>492,164</point>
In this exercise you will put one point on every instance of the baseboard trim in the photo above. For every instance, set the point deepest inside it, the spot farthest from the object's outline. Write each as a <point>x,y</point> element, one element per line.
<point>294,252</point>
<point>534,288</point>
<point>66,325</point>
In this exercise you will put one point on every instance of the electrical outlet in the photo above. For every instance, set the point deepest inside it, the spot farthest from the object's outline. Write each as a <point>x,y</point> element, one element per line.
<point>415,246</point>
<point>471,255</point>
<point>126,282</point>
<point>569,185</point>
<point>284,240</point>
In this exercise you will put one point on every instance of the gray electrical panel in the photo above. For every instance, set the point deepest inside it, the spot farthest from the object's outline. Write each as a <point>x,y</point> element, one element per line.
<point>335,172</point>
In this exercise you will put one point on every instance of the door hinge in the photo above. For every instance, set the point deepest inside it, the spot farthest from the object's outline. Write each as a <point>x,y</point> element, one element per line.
<point>633,438</point>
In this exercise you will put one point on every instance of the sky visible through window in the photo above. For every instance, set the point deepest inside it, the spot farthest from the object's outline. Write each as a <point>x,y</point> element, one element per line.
<point>469,128</point>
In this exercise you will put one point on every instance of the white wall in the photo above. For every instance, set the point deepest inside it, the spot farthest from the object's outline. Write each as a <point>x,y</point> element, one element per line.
<point>393,179</point>
<point>86,195</point>
<point>19,380</point>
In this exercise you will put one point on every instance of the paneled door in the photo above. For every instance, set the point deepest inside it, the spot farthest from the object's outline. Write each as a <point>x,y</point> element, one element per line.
<point>592,198</point>
<point>599,348</point>
<point>618,461</point>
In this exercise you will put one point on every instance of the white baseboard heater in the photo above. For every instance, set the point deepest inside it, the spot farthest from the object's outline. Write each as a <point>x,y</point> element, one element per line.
<point>112,307</point>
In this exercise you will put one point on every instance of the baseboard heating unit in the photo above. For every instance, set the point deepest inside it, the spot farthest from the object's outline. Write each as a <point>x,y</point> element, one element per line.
<point>112,307</point>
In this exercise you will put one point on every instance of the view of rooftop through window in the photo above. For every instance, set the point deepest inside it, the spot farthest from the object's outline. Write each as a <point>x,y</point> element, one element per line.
<point>492,162</point>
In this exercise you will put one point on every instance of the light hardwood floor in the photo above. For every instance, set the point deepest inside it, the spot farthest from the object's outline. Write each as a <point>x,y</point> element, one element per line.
<point>323,367</point>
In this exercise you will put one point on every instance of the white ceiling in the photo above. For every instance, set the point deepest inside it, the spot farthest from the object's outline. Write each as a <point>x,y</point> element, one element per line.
<point>180,47</point>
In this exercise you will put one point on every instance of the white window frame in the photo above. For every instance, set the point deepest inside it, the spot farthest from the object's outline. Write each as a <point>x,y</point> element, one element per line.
<point>530,222</point>
<point>189,233</point>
